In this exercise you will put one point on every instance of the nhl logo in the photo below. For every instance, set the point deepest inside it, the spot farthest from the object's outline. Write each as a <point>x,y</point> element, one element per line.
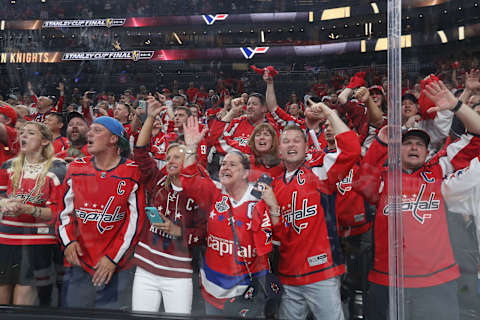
<point>108,22</point>
<point>103,174</point>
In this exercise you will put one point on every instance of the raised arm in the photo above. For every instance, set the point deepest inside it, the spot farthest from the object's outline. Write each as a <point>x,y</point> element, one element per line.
<point>374,113</point>
<point>445,100</point>
<point>270,96</point>
<point>472,84</point>
<point>154,108</point>
<point>325,112</point>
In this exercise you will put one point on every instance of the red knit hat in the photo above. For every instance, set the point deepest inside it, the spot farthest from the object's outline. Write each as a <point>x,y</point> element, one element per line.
<point>9,112</point>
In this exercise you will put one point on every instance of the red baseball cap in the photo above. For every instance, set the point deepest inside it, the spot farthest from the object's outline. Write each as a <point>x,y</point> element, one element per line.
<point>9,112</point>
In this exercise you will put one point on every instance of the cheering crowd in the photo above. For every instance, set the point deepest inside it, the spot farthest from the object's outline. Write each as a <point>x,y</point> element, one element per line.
<point>106,201</point>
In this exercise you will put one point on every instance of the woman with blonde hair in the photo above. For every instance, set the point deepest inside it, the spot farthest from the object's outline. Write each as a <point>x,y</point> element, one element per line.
<point>28,194</point>
<point>163,256</point>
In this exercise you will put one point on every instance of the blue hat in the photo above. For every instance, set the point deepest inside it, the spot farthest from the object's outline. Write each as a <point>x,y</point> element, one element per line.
<point>116,128</point>
<point>113,125</point>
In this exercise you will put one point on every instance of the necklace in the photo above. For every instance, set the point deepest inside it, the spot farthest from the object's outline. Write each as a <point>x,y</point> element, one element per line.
<point>32,170</point>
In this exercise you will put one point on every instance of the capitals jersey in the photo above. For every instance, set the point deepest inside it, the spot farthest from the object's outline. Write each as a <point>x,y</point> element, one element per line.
<point>60,144</point>
<point>282,119</point>
<point>353,218</point>
<point>26,229</point>
<point>102,210</point>
<point>428,256</point>
<point>158,252</point>
<point>307,202</point>
<point>224,272</point>
<point>240,130</point>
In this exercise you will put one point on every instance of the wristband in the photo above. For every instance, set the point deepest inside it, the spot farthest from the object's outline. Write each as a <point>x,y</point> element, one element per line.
<point>457,107</point>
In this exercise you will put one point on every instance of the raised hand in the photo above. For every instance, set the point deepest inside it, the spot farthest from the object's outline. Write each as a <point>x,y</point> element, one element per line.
<point>472,80</point>
<point>192,133</point>
<point>439,94</point>
<point>362,94</point>
<point>160,97</point>
<point>320,109</point>
<point>383,135</point>
<point>154,107</point>
<point>267,77</point>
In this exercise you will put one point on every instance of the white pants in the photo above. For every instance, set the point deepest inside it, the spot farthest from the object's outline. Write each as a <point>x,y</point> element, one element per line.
<point>149,289</point>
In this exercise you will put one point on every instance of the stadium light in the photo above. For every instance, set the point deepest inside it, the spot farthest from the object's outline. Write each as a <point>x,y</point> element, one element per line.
<point>443,36</point>
<point>336,13</point>
<point>177,38</point>
<point>382,43</point>
<point>461,33</point>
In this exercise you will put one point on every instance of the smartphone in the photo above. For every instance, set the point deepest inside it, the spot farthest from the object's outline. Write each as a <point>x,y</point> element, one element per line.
<point>153,215</point>
<point>142,104</point>
<point>264,178</point>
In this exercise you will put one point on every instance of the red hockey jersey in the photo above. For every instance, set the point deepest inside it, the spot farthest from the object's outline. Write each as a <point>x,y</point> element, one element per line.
<point>307,202</point>
<point>224,274</point>
<point>428,256</point>
<point>60,144</point>
<point>103,211</point>
<point>353,218</point>
<point>26,229</point>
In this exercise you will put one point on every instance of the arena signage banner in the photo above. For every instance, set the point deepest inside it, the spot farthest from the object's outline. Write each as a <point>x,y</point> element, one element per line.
<point>115,55</point>
<point>28,57</point>
<point>109,22</point>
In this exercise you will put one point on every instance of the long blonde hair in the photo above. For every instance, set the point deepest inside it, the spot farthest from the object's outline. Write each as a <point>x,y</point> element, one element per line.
<point>48,154</point>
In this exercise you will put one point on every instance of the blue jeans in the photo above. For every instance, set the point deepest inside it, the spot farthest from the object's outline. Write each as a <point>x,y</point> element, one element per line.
<point>78,290</point>
<point>321,298</point>
<point>439,302</point>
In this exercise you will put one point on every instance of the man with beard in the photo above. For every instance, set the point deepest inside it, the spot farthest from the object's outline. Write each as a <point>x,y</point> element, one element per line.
<point>77,138</point>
